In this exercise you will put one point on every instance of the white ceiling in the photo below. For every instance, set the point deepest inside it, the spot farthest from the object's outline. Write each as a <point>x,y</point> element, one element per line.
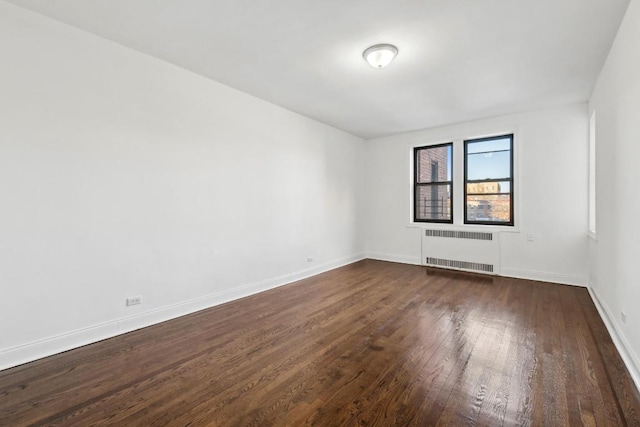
<point>459,60</point>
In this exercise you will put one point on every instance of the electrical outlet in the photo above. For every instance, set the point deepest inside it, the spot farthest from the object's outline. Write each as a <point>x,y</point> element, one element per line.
<point>623,316</point>
<point>310,259</point>
<point>529,237</point>
<point>134,301</point>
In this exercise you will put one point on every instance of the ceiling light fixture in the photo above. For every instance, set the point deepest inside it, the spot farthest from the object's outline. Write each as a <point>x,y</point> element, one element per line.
<point>380,55</point>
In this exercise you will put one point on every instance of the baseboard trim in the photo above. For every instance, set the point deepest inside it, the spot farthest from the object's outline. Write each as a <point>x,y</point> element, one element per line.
<point>402,259</point>
<point>39,349</point>
<point>518,273</point>
<point>629,357</point>
<point>543,276</point>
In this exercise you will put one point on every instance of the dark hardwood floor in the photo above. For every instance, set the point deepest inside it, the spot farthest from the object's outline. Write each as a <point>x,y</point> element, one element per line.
<point>373,343</point>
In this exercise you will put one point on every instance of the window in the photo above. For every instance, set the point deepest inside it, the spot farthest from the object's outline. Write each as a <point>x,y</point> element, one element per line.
<point>592,174</point>
<point>433,183</point>
<point>488,181</point>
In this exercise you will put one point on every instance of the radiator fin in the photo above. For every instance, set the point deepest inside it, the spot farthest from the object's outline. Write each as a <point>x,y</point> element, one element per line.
<point>473,235</point>
<point>476,266</point>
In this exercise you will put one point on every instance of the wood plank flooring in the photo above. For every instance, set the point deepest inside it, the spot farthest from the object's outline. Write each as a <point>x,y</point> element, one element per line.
<point>372,343</point>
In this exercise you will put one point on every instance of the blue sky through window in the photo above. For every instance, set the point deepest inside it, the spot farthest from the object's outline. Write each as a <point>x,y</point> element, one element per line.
<point>489,159</point>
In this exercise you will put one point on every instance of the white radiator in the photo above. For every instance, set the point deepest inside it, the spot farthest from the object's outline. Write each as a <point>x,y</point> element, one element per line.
<point>461,250</point>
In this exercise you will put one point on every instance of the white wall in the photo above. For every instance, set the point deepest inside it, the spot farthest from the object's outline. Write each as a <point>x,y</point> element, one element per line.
<point>551,152</point>
<point>122,175</point>
<point>614,257</point>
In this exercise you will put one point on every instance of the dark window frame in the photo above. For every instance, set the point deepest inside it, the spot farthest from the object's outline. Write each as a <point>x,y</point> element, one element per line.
<point>466,181</point>
<point>417,185</point>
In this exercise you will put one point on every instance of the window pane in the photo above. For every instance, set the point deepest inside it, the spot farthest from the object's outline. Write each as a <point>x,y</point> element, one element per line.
<point>433,202</point>
<point>494,208</point>
<point>434,164</point>
<point>500,144</point>
<point>489,165</point>
<point>592,173</point>
<point>489,187</point>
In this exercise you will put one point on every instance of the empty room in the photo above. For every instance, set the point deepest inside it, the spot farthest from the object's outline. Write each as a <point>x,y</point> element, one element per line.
<point>356,213</point>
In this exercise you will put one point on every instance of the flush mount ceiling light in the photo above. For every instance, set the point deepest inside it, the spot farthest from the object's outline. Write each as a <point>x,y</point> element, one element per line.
<point>380,55</point>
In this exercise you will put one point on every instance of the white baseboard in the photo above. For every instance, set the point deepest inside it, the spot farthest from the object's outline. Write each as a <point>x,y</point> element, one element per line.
<point>629,357</point>
<point>544,276</point>
<point>52,345</point>
<point>403,259</point>
<point>518,273</point>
